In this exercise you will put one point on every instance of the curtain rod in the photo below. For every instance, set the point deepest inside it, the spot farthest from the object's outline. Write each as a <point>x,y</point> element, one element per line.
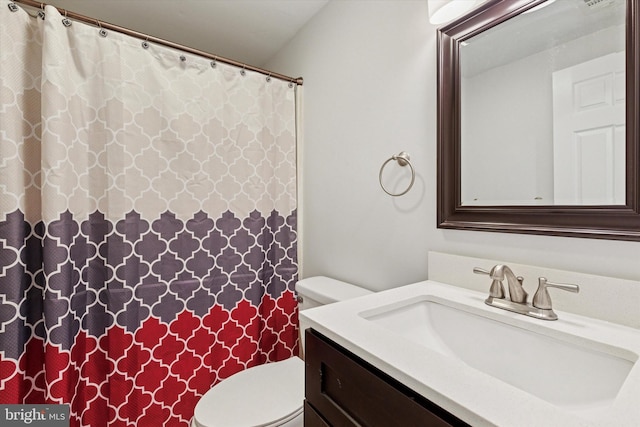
<point>148,38</point>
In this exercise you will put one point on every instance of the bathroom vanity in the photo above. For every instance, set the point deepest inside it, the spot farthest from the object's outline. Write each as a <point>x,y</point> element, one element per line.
<point>341,389</point>
<point>430,353</point>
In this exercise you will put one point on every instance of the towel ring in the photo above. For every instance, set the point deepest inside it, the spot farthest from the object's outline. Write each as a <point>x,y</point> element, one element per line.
<point>403,160</point>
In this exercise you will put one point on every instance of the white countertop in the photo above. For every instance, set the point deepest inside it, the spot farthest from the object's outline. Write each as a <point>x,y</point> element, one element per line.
<point>473,396</point>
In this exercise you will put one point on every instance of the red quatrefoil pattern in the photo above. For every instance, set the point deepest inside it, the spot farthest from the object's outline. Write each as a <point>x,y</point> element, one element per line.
<point>156,375</point>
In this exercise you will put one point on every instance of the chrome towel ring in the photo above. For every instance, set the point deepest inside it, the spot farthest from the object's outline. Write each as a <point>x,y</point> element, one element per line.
<point>403,159</point>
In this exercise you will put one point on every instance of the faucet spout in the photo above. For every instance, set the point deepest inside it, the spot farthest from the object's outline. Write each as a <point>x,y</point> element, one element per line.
<point>516,291</point>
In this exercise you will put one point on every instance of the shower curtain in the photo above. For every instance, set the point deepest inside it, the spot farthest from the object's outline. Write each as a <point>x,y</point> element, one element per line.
<point>147,222</point>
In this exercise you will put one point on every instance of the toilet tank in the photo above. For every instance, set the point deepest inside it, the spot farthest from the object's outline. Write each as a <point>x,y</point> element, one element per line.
<point>320,290</point>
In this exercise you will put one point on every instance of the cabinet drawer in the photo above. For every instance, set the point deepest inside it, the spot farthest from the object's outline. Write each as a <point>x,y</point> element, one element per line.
<point>347,391</point>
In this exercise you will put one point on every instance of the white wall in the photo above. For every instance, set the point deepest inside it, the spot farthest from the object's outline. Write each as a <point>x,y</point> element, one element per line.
<point>369,71</point>
<point>516,163</point>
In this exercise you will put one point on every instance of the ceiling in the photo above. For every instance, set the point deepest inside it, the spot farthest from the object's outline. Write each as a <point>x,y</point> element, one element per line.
<point>520,36</point>
<point>247,31</point>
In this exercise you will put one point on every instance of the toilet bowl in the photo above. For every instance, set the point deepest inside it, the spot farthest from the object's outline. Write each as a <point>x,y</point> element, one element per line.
<point>271,394</point>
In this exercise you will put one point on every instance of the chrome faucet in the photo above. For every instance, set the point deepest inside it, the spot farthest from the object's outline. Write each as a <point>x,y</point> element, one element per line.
<point>498,274</point>
<point>540,306</point>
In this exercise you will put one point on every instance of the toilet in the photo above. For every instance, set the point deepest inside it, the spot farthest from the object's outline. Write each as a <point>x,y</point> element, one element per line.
<point>272,394</point>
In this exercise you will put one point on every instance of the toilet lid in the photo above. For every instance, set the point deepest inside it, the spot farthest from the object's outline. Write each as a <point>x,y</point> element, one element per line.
<point>260,396</point>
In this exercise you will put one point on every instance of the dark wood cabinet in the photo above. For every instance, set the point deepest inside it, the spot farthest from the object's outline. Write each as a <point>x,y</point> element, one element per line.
<point>342,389</point>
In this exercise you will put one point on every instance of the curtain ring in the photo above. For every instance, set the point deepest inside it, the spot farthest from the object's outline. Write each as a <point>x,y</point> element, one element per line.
<point>41,13</point>
<point>268,79</point>
<point>213,62</point>
<point>102,31</point>
<point>291,84</point>
<point>403,160</point>
<point>145,43</point>
<point>243,72</point>
<point>66,21</point>
<point>13,7</point>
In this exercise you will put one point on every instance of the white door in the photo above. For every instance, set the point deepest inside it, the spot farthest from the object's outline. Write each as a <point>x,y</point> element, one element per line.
<point>589,132</point>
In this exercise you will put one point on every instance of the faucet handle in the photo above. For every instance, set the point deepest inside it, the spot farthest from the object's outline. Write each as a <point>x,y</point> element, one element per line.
<point>542,300</point>
<point>496,290</point>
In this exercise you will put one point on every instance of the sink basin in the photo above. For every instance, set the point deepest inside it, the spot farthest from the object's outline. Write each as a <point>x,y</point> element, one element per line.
<point>487,366</point>
<point>572,373</point>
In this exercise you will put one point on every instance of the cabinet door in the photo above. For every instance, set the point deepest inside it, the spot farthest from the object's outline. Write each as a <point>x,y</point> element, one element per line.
<point>347,391</point>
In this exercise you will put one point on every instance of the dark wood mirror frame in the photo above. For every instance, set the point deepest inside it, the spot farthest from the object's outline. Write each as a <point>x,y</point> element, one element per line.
<point>601,222</point>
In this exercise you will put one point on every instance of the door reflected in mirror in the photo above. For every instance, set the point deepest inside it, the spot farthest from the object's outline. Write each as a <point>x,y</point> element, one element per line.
<point>542,107</point>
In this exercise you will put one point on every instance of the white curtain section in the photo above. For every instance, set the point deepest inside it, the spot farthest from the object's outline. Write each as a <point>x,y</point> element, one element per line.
<point>127,128</point>
<point>299,178</point>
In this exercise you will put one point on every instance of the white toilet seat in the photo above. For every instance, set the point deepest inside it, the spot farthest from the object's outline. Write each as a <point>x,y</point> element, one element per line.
<point>261,396</point>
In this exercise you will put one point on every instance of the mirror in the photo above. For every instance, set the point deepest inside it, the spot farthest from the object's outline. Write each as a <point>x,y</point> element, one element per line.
<point>538,109</point>
<point>566,143</point>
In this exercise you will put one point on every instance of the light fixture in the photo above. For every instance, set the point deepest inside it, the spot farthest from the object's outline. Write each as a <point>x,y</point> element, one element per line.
<point>442,11</point>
